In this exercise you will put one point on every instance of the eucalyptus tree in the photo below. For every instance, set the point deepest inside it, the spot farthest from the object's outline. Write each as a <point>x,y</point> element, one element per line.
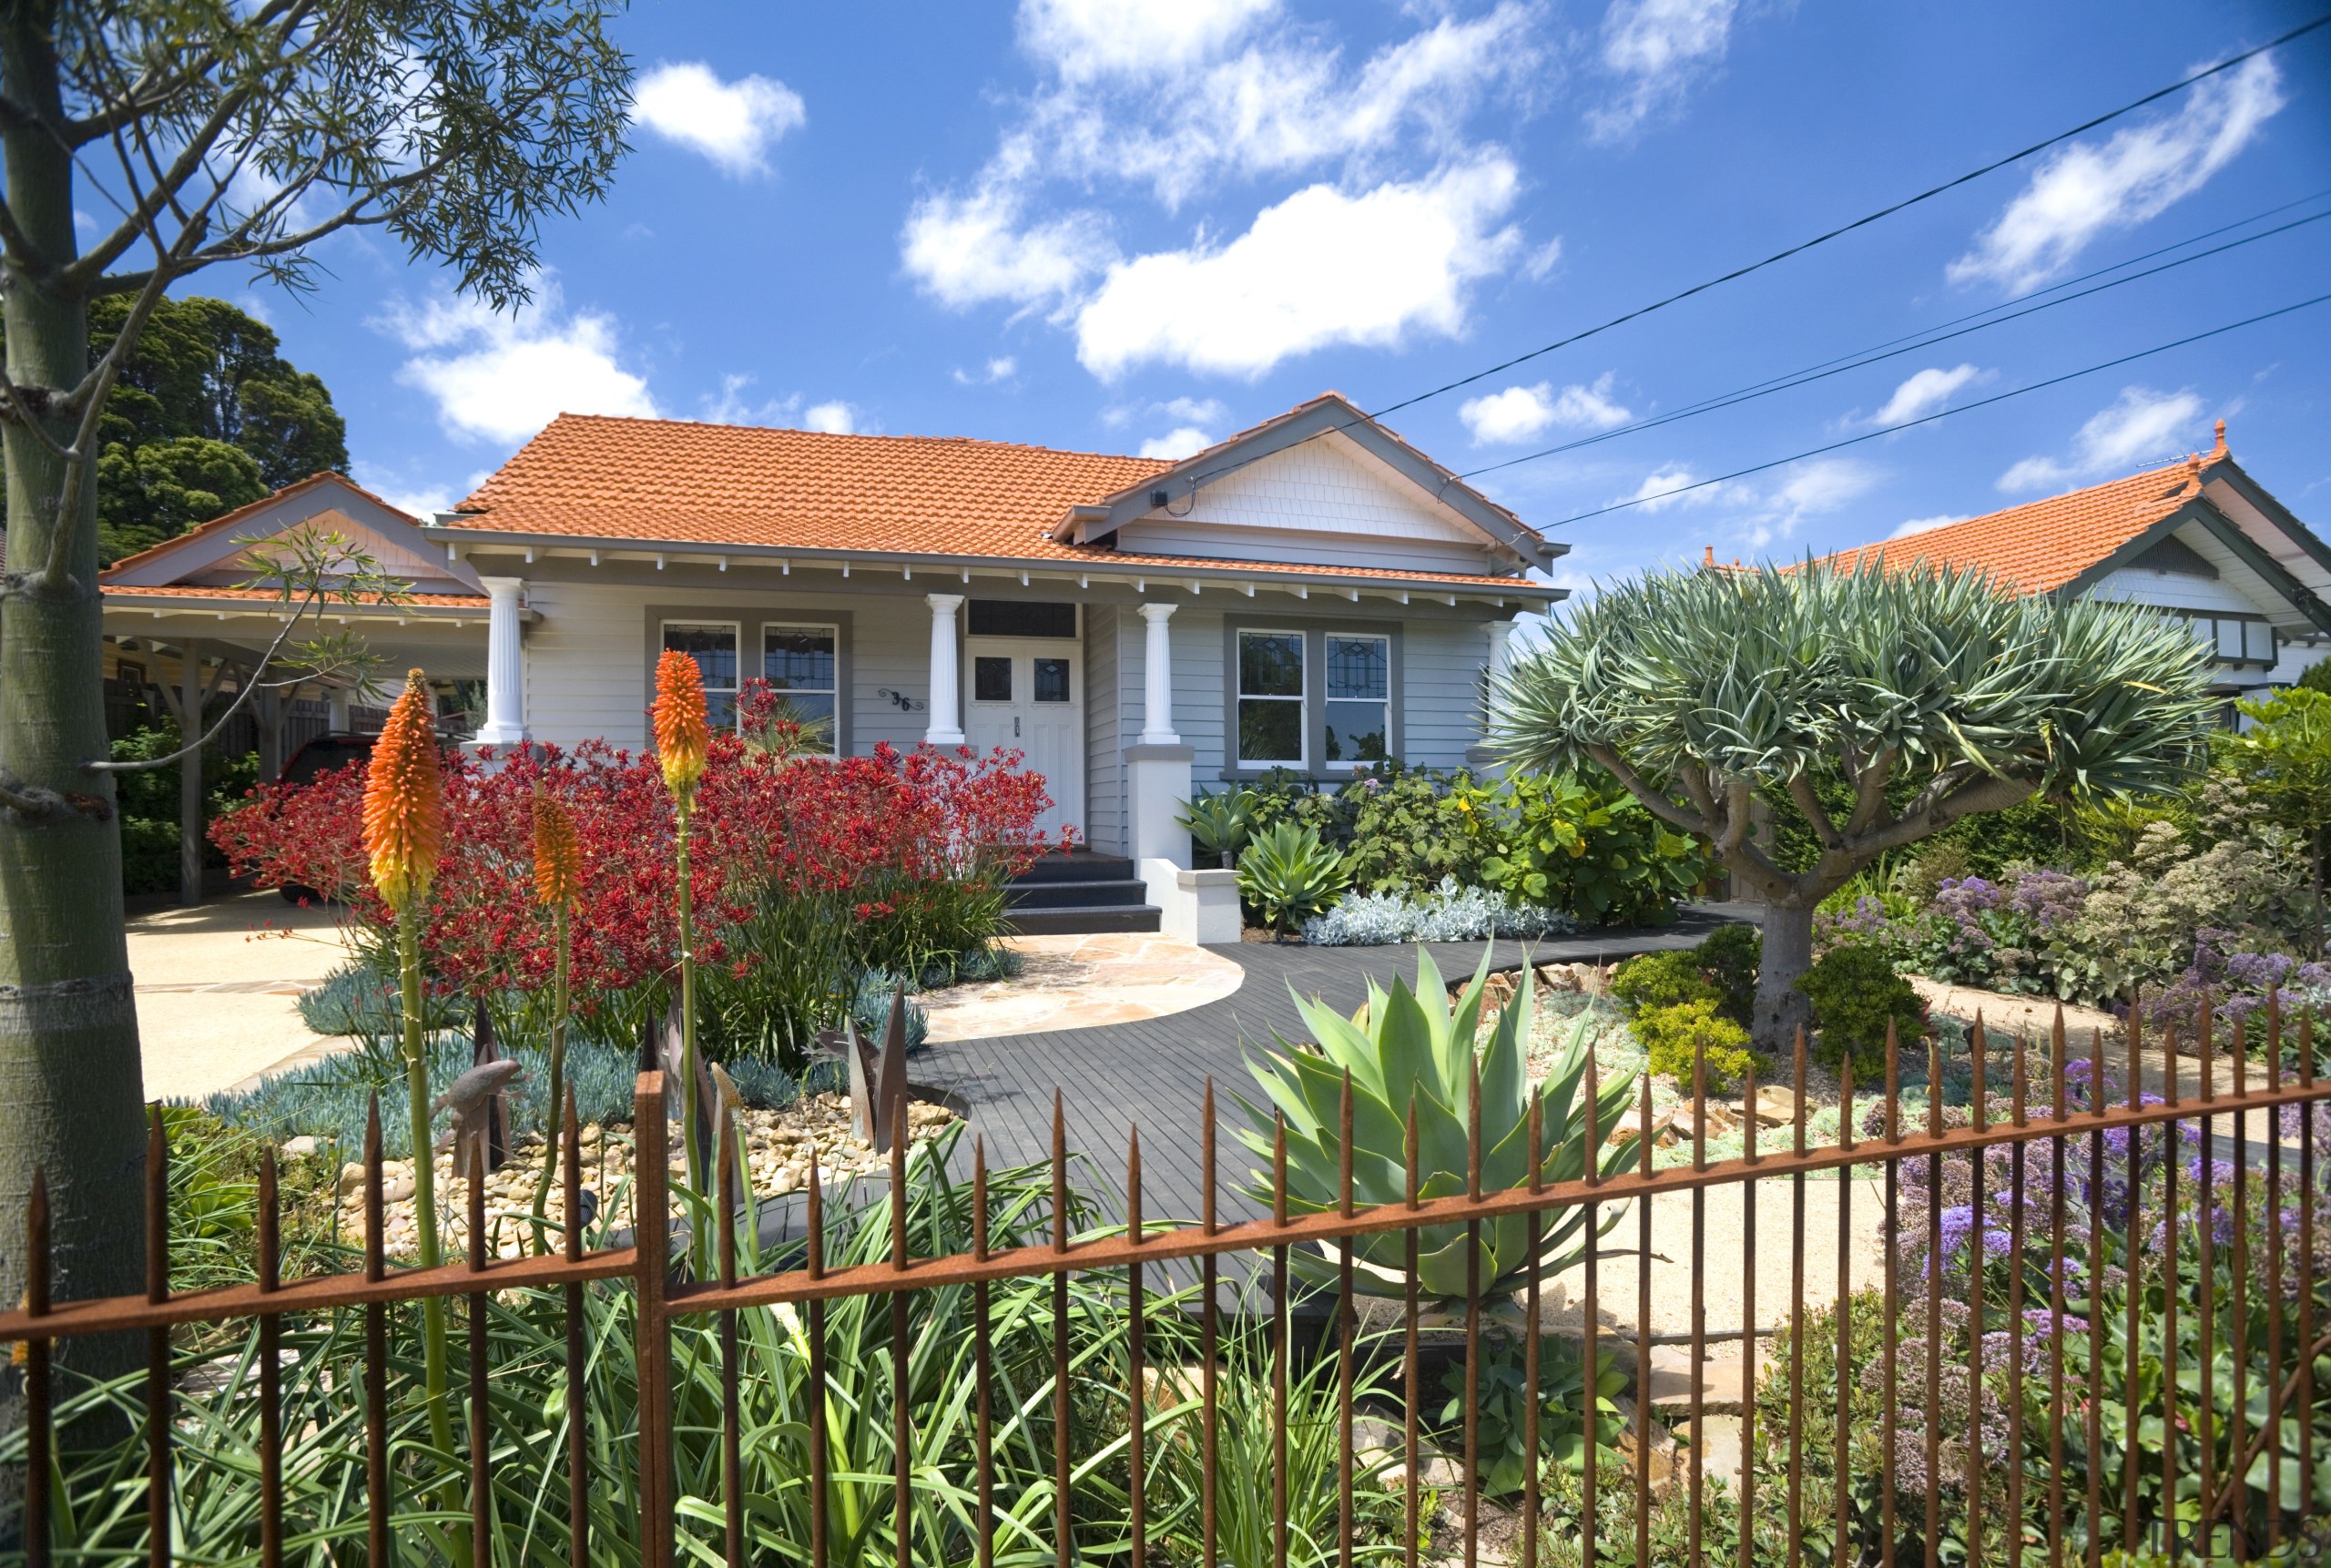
<point>1929,695</point>
<point>192,135</point>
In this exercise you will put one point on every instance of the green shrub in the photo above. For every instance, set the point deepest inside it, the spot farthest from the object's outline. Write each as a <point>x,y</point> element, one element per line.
<point>1409,828</point>
<point>1288,875</point>
<point>1854,992</point>
<point>1654,980</point>
<point>1730,958</point>
<point>1674,1037</point>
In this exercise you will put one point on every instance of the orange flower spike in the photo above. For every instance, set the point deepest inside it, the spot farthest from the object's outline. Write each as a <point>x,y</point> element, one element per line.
<point>682,735</point>
<point>558,852</point>
<point>404,799</point>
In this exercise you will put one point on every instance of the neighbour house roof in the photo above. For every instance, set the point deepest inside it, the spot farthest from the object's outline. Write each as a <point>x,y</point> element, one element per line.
<point>2067,542</point>
<point>632,481</point>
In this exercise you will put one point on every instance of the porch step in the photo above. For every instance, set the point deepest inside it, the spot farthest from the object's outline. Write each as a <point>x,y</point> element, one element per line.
<point>1059,895</point>
<point>1082,920</point>
<point>1081,866</point>
<point>1072,894</point>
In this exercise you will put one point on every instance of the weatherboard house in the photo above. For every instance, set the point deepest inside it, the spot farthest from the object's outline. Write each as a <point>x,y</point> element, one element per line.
<point>2199,539</point>
<point>1313,594</point>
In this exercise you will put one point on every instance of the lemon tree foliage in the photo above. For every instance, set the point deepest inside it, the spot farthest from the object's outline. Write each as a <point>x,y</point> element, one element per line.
<point>1699,691</point>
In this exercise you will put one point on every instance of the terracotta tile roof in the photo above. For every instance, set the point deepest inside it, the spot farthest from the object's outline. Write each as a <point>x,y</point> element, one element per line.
<point>676,481</point>
<point>229,520</point>
<point>2043,545</point>
<point>205,591</point>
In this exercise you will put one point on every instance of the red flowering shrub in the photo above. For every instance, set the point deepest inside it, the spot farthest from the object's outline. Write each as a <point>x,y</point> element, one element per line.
<point>915,846</point>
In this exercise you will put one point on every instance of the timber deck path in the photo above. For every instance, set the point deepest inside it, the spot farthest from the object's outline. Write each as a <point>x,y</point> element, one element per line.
<point>1152,1074</point>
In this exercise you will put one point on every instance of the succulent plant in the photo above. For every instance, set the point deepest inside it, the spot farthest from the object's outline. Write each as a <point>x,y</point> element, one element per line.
<point>1221,821</point>
<point>1289,874</point>
<point>1415,1047</point>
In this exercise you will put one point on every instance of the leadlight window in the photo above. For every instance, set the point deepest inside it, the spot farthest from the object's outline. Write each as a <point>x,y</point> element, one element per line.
<point>713,646</point>
<point>1270,699</point>
<point>801,666</point>
<point>1360,699</point>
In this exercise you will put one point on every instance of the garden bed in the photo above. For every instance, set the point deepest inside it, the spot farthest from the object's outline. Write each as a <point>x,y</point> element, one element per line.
<point>779,1143</point>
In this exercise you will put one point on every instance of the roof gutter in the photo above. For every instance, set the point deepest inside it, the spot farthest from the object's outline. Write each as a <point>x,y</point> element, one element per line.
<point>461,541</point>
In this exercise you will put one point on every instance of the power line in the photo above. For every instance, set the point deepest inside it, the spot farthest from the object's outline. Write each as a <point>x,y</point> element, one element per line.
<point>1835,367</point>
<point>1946,414</point>
<point>1194,481</point>
<point>1927,195</point>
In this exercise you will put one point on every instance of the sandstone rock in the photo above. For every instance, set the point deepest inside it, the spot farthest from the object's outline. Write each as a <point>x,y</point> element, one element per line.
<point>1774,1107</point>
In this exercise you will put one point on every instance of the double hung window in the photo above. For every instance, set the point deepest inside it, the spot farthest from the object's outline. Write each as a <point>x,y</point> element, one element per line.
<point>713,646</point>
<point>799,662</point>
<point>1271,716</point>
<point>1360,699</point>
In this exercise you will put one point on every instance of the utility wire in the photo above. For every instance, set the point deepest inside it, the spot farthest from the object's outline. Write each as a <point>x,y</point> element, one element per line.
<point>1927,195</point>
<point>1840,366</point>
<point>1946,414</point>
<point>2321,19</point>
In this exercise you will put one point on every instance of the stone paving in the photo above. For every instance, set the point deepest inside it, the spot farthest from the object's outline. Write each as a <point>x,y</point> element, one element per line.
<point>216,986</point>
<point>1081,983</point>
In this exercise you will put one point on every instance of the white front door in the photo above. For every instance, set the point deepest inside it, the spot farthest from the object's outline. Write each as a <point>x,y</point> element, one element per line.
<point>1027,695</point>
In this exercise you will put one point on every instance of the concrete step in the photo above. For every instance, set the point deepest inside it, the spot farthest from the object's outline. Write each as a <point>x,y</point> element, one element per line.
<point>1083,866</point>
<point>1082,920</point>
<point>1075,895</point>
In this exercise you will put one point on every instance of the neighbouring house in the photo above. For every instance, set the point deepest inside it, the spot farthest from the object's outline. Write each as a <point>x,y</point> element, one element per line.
<point>2200,539</point>
<point>1313,595</point>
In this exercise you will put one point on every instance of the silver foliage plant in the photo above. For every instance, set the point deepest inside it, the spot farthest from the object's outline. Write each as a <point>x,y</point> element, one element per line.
<point>1447,913</point>
<point>1699,690</point>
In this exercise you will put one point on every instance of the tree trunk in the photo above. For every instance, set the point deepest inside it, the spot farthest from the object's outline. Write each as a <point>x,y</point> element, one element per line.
<point>70,1089</point>
<point>1781,1008</point>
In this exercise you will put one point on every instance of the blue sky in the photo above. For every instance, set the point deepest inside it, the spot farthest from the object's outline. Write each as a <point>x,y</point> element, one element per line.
<point>1139,225</point>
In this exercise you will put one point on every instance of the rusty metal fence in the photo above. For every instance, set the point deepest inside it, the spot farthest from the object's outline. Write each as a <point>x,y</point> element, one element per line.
<point>2093,1224</point>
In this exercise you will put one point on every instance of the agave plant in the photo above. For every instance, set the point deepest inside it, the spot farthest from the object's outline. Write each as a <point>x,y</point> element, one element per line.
<point>1416,1048</point>
<point>1289,875</point>
<point>1220,822</point>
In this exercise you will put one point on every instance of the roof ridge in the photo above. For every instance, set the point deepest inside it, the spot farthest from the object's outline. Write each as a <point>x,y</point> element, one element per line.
<point>793,430</point>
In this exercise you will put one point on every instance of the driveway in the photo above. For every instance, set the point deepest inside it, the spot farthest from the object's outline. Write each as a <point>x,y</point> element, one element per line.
<point>216,987</point>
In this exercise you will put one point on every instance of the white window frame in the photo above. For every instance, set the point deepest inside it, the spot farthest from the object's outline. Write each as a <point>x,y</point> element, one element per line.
<point>736,630</point>
<point>833,630</point>
<point>1239,698</point>
<point>1328,699</point>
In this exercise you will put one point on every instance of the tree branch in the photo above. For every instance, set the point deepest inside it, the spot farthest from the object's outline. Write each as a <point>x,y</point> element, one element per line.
<point>1869,792</point>
<point>1654,800</point>
<point>1817,815</point>
<point>1932,813</point>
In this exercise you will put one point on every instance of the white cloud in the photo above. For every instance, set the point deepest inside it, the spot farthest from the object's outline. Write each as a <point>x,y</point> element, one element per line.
<point>1657,48</point>
<point>975,250</point>
<point>1803,490</point>
<point>1321,267</point>
<point>1519,413</point>
<point>1176,443</point>
<point>1920,524</point>
<point>2088,189</point>
<point>1183,97</point>
<point>835,418</point>
<point>734,124</point>
<point>502,377</point>
<point>2141,426</point>
<point>996,369</point>
<point>1083,39</point>
<point>1924,394</point>
<point>1543,261</point>
<point>1656,492</point>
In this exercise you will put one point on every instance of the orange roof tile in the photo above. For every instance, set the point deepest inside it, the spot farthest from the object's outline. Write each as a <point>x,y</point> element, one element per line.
<point>2043,545</point>
<point>678,482</point>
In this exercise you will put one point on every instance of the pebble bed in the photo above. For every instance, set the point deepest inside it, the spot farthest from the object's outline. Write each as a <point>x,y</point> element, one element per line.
<point>778,1144</point>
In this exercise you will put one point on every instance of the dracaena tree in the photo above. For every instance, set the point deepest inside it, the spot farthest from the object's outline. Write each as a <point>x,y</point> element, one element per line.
<point>1929,695</point>
<point>197,134</point>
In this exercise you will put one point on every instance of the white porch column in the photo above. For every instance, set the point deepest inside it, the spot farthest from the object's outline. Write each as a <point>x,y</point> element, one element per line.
<point>505,670</point>
<point>946,726</point>
<point>336,700</point>
<point>1157,683</point>
<point>1500,632</point>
